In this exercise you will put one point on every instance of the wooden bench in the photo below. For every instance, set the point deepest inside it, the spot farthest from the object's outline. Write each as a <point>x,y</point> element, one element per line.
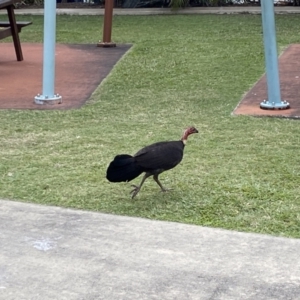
<point>12,27</point>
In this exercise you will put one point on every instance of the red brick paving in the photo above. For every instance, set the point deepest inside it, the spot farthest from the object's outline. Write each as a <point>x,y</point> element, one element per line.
<point>79,71</point>
<point>289,70</point>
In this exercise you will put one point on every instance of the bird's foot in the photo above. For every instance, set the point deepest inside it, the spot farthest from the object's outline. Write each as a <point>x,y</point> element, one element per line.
<point>135,190</point>
<point>165,190</point>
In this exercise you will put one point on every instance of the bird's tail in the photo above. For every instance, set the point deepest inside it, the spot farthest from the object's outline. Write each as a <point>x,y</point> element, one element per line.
<point>123,168</point>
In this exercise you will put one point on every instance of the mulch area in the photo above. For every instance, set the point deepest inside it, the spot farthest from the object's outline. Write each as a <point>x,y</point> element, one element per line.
<point>289,73</point>
<point>79,70</point>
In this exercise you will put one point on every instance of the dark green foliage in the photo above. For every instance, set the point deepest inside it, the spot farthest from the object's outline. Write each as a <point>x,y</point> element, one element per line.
<point>207,3</point>
<point>31,2</point>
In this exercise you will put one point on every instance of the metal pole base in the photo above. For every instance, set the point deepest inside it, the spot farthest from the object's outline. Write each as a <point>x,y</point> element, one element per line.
<point>106,44</point>
<point>42,99</point>
<point>272,105</point>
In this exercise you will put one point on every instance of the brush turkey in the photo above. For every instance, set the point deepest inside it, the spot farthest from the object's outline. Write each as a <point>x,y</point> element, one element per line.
<point>151,160</point>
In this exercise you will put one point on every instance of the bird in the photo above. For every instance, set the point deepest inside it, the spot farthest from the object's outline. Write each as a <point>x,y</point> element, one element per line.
<point>151,160</point>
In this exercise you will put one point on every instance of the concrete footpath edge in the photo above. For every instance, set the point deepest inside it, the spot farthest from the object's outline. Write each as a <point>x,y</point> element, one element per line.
<point>56,253</point>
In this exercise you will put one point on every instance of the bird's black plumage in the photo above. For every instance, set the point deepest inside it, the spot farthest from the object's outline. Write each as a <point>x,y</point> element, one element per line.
<point>153,160</point>
<point>123,168</point>
<point>161,155</point>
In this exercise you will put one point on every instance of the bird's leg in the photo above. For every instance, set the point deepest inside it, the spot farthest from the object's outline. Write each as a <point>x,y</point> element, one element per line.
<point>137,188</point>
<point>163,189</point>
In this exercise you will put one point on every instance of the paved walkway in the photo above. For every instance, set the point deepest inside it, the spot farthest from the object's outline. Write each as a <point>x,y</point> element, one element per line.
<point>55,253</point>
<point>162,11</point>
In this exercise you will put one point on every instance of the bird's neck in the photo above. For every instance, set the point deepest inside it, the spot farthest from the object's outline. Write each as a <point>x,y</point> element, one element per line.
<point>185,137</point>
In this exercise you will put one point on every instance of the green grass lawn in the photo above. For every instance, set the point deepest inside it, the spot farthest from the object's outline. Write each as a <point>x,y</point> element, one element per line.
<point>240,173</point>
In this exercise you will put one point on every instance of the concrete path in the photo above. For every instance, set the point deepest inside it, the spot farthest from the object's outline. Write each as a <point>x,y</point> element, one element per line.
<point>54,253</point>
<point>161,11</point>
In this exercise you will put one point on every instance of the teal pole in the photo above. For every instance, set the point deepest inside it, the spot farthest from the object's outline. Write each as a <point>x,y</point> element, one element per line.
<point>271,60</point>
<point>48,96</point>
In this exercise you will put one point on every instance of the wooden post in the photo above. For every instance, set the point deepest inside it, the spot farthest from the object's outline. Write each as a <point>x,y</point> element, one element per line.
<point>14,32</point>
<point>107,27</point>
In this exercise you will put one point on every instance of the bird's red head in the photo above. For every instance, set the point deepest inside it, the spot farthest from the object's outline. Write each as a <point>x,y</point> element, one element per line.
<point>187,132</point>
